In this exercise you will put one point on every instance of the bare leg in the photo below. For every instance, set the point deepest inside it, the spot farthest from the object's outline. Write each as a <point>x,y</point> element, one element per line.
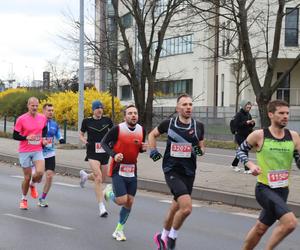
<point>26,180</point>
<point>48,183</point>
<point>40,169</point>
<point>287,224</point>
<point>184,210</point>
<point>254,235</point>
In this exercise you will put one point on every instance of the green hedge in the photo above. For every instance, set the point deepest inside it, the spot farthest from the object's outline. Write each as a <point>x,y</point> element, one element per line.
<point>15,104</point>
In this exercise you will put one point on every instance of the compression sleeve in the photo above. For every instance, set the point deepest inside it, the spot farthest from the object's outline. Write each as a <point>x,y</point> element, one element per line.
<point>109,140</point>
<point>44,131</point>
<point>297,158</point>
<point>18,137</point>
<point>242,152</point>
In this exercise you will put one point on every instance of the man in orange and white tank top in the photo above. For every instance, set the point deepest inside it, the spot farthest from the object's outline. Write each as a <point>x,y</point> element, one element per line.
<point>123,143</point>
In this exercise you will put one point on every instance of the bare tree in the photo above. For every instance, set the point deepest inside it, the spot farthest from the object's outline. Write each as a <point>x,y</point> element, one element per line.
<point>259,30</point>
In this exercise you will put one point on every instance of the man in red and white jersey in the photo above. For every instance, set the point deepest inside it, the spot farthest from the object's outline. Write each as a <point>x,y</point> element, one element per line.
<point>31,130</point>
<point>123,143</point>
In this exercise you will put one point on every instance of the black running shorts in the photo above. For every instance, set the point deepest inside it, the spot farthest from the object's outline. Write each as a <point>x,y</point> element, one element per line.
<point>273,202</point>
<point>179,184</point>
<point>103,158</point>
<point>50,163</point>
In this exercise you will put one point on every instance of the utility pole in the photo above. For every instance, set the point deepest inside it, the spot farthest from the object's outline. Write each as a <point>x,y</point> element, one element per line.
<point>81,68</point>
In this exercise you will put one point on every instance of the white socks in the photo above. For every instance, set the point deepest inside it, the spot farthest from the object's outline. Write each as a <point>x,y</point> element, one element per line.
<point>173,233</point>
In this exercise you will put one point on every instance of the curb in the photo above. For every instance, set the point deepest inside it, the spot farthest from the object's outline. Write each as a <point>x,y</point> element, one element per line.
<point>199,193</point>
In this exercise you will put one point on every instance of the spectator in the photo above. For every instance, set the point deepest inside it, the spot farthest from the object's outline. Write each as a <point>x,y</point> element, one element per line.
<point>244,126</point>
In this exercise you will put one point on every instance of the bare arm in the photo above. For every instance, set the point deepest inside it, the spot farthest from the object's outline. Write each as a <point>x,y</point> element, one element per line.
<point>82,138</point>
<point>152,138</point>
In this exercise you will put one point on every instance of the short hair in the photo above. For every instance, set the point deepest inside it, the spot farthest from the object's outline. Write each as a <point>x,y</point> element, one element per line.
<point>31,99</point>
<point>182,96</point>
<point>127,107</point>
<point>272,105</point>
<point>47,105</point>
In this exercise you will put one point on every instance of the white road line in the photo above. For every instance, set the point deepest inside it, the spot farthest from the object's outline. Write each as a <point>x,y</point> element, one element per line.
<point>255,216</point>
<point>39,222</point>
<point>66,184</point>
<point>56,183</point>
<point>169,201</point>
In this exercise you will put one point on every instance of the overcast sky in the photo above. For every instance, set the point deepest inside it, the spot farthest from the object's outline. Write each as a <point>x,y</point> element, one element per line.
<point>30,31</point>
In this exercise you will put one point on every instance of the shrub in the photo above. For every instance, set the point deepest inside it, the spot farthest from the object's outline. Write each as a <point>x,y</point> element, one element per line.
<point>66,105</point>
<point>14,103</point>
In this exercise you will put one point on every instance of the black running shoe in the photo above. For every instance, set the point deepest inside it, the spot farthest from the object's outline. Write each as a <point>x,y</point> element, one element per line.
<point>161,245</point>
<point>171,244</point>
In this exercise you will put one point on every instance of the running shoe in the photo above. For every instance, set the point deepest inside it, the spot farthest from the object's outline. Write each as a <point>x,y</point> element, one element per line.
<point>107,190</point>
<point>33,192</point>
<point>236,168</point>
<point>171,244</point>
<point>83,178</point>
<point>160,243</point>
<point>42,203</point>
<point>119,235</point>
<point>103,213</point>
<point>23,205</point>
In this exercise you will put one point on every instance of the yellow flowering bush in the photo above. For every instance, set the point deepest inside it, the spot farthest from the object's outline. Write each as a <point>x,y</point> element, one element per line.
<point>66,105</point>
<point>10,91</point>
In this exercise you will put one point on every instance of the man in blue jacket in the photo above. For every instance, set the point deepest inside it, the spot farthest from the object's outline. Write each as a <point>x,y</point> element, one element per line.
<point>53,132</point>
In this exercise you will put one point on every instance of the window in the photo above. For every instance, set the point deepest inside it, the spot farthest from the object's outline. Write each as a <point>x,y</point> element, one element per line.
<point>127,20</point>
<point>291,26</point>
<point>175,46</point>
<point>125,92</point>
<point>173,88</point>
<point>283,91</point>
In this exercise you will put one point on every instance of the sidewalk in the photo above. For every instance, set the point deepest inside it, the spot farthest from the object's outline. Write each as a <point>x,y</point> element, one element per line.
<point>213,182</point>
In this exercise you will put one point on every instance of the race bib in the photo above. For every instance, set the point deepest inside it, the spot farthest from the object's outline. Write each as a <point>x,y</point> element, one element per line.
<point>127,170</point>
<point>49,142</point>
<point>36,141</point>
<point>278,178</point>
<point>181,150</point>
<point>98,148</point>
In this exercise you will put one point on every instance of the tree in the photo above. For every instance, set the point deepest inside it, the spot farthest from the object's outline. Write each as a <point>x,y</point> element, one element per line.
<point>259,30</point>
<point>151,20</point>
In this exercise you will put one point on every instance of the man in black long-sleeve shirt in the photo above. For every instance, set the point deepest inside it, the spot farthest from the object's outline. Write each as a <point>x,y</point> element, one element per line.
<point>244,124</point>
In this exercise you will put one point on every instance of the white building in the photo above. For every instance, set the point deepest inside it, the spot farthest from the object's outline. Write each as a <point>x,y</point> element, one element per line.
<point>188,64</point>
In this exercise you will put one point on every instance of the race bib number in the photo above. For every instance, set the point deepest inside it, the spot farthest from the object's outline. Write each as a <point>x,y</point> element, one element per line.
<point>98,148</point>
<point>127,170</point>
<point>181,150</point>
<point>36,141</point>
<point>49,142</point>
<point>278,178</point>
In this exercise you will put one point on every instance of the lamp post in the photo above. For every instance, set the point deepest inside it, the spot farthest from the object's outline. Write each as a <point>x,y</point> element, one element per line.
<point>81,68</point>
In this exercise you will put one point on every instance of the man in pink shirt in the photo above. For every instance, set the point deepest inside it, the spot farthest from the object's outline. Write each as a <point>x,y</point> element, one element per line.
<point>31,130</point>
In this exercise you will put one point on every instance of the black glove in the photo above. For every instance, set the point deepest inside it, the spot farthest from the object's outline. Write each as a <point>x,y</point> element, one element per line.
<point>155,155</point>
<point>62,141</point>
<point>198,151</point>
<point>297,158</point>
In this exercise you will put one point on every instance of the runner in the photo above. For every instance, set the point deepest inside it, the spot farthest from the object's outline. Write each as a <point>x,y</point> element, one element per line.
<point>274,152</point>
<point>53,131</point>
<point>95,127</point>
<point>185,142</point>
<point>31,130</point>
<point>123,143</point>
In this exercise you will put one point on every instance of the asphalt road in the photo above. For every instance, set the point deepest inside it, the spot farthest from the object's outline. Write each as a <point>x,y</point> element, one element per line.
<point>71,221</point>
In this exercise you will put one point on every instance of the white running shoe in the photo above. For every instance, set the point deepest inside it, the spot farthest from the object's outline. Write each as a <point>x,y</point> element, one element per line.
<point>236,168</point>
<point>103,213</point>
<point>83,178</point>
<point>119,235</point>
<point>106,192</point>
<point>247,172</point>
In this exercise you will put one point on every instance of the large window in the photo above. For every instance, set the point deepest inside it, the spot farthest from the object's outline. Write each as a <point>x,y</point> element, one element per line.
<point>125,92</point>
<point>291,26</point>
<point>175,45</point>
<point>173,88</point>
<point>283,91</point>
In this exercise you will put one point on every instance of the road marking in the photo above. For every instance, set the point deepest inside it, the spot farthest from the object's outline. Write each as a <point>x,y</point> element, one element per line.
<point>169,201</point>
<point>39,222</point>
<point>255,216</point>
<point>66,184</point>
<point>56,183</point>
